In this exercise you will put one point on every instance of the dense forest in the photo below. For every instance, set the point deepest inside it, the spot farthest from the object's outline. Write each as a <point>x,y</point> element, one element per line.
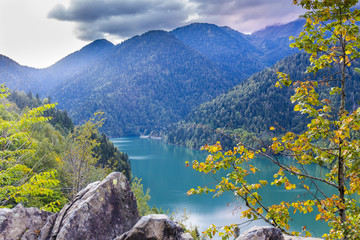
<point>45,159</point>
<point>252,107</point>
<point>155,79</point>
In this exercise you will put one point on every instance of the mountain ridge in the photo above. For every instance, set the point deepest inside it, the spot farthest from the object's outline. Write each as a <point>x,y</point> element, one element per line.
<point>165,74</point>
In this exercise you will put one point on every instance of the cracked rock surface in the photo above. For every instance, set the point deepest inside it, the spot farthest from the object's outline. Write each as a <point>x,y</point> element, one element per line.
<point>102,210</point>
<point>21,223</point>
<point>154,226</point>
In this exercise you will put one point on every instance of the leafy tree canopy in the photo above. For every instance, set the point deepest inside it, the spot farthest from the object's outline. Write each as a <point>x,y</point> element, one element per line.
<point>331,137</point>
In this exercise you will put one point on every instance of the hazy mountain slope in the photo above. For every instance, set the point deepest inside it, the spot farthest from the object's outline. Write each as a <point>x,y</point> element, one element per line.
<point>72,65</point>
<point>255,105</point>
<point>148,81</point>
<point>236,56</point>
<point>15,75</point>
<point>41,81</point>
<point>152,80</point>
<point>274,41</point>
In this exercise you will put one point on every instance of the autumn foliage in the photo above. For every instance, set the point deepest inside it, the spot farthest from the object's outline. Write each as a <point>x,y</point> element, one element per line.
<point>331,139</point>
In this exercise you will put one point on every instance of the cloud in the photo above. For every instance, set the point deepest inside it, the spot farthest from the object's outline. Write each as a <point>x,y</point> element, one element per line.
<point>125,18</point>
<point>247,15</point>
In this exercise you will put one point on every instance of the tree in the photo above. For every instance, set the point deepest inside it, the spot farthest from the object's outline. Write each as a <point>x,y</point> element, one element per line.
<point>19,181</point>
<point>142,198</point>
<point>331,37</point>
<point>79,162</point>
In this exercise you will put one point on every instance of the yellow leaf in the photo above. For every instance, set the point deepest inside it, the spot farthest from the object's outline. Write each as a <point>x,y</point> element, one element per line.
<point>297,108</point>
<point>263,182</point>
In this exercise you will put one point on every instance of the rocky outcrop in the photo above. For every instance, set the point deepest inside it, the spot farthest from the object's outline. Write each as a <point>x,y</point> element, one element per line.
<point>21,223</point>
<point>103,210</point>
<point>154,226</point>
<point>262,233</point>
<point>286,237</point>
<point>268,233</point>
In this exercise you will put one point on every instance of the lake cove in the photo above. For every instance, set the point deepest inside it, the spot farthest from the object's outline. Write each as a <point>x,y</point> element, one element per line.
<point>162,169</point>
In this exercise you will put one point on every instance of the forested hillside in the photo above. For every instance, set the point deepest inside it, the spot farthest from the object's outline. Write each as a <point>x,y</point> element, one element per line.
<point>252,107</point>
<point>273,41</point>
<point>153,80</point>
<point>16,76</point>
<point>149,81</point>
<point>234,55</point>
<point>45,159</point>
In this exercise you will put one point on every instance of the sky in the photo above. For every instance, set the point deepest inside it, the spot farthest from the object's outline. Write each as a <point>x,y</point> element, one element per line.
<point>38,33</point>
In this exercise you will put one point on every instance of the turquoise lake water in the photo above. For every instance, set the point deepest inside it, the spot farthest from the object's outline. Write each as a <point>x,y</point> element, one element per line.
<point>162,169</point>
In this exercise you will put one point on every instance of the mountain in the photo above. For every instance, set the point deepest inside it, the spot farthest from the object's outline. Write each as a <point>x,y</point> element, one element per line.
<point>240,55</point>
<point>75,64</point>
<point>235,56</point>
<point>255,105</point>
<point>274,41</point>
<point>146,82</point>
<point>41,81</point>
<point>152,80</point>
<point>14,75</point>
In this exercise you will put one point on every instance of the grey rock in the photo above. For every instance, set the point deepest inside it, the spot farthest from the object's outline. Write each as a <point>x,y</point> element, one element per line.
<point>287,237</point>
<point>21,223</point>
<point>186,236</point>
<point>262,233</point>
<point>269,233</point>
<point>155,227</point>
<point>103,210</point>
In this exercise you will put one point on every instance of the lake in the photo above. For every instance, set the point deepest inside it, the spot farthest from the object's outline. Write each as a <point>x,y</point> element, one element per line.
<point>162,169</point>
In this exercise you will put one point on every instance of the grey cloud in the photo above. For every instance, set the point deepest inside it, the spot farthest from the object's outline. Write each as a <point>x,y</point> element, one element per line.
<point>121,18</point>
<point>127,26</point>
<point>247,15</point>
<point>125,18</point>
<point>92,10</point>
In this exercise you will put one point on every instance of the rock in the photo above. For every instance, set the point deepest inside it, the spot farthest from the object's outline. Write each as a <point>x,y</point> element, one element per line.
<point>186,236</point>
<point>286,237</point>
<point>269,233</point>
<point>21,223</point>
<point>262,233</point>
<point>103,210</point>
<point>155,227</point>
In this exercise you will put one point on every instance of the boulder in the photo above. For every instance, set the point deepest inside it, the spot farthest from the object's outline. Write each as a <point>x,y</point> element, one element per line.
<point>269,233</point>
<point>287,237</point>
<point>154,226</point>
<point>186,236</point>
<point>102,210</point>
<point>21,223</point>
<point>262,233</point>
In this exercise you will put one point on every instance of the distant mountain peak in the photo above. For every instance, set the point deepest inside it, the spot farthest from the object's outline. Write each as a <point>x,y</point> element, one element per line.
<point>4,59</point>
<point>155,34</point>
<point>197,26</point>
<point>280,30</point>
<point>200,24</point>
<point>147,37</point>
<point>97,45</point>
<point>102,41</point>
